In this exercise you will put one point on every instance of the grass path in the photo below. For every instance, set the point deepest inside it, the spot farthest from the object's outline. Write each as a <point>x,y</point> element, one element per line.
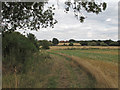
<point>65,74</point>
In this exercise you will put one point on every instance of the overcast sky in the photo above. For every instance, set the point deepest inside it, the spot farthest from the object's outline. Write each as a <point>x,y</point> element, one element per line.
<point>102,26</point>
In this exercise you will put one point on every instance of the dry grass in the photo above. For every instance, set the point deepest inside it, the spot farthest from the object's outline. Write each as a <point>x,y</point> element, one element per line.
<point>105,73</point>
<point>83,47</point>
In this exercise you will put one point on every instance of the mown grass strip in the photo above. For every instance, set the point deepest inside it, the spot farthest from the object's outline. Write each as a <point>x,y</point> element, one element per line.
<point>76,71</point>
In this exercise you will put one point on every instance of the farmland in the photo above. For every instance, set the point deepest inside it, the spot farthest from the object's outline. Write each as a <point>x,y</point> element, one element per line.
<point>69,68</point>
<point>59,44</point>
<point>102,60</point>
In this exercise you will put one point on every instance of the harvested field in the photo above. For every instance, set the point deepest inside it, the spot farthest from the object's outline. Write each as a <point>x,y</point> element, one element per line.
<point>83,47</point>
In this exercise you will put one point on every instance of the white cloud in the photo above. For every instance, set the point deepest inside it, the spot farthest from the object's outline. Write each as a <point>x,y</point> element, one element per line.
<point>108,20</point>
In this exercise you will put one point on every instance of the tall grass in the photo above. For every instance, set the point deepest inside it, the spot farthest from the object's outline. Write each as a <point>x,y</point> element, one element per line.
<point>35,70</point>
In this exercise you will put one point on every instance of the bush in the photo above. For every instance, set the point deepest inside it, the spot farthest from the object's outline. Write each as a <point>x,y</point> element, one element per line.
<point>83,43</point>
<point>33,39</point>
<point>92,43</point>
<point>71,44</point>
<point>45,44</point>
<point>114,44</point>
<point>103,44</point>
<point>16,50</point>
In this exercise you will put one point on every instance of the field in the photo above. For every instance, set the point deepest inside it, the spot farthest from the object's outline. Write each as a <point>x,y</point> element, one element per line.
<point>83,47</point>
<point>94,60</point>
<point>69,67</point>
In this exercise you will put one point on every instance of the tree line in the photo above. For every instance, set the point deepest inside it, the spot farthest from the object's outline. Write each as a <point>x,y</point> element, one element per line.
<point>72,42</point>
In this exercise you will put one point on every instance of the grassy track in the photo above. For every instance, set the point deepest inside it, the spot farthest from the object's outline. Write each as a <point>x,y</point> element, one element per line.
<point>72,75</point>
<point>103,60</point>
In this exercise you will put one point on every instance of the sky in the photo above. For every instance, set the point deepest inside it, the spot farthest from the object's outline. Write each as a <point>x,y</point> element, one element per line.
<point>95,27</point>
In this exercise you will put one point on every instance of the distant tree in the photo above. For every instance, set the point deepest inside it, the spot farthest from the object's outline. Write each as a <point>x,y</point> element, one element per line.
<point>45,44</point>
<point>71,40</point>
<point>108,42</point>
<point>71,44</point>
<point>114,44</point>
<point>83,43</point>
<point>55,41</point>
<point>103,44</point>
<point>118,42</point>
<point>93,43</point>
<point>98,42</point>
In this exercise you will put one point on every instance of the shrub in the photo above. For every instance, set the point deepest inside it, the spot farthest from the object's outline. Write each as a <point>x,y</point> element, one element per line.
<point>71,44</point>
<point>114,44</point>
<point>45,44</point>
<point>16,49</point>
<point>103,44</point>
<point>92,43</point>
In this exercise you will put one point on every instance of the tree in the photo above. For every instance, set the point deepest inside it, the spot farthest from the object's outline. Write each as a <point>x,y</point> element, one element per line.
<point>27,15</point>
<point>17,49</point>
<point>33,15</point>
<point>45,44</point>
<point>55,41</point>
<point>103,44</point>
<point>114,44</point>
<point>83,43</point>
<point>71,40</point>
<point>108,42</point>
<point>71,44</point>
<point>33,39</point>
<point>88,5</point>
<point>93,43</point>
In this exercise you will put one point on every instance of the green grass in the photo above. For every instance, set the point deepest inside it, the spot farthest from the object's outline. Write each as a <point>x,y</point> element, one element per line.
<point>90,54</point>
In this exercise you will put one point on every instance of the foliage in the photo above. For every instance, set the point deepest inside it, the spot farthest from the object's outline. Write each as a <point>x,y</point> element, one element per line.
<point>33,39</point>
<point>103,44</point>
<point>114,44</point>
<point>88,6</point>
<point>99,43</point>
<point>55,41</point>
<point>92,43</point>
<point>31,15</point>
<point>83,43</point>
<point>17,49</point>
<point>72,40</point>
<point>71,44</point>
<point>45,44</point>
